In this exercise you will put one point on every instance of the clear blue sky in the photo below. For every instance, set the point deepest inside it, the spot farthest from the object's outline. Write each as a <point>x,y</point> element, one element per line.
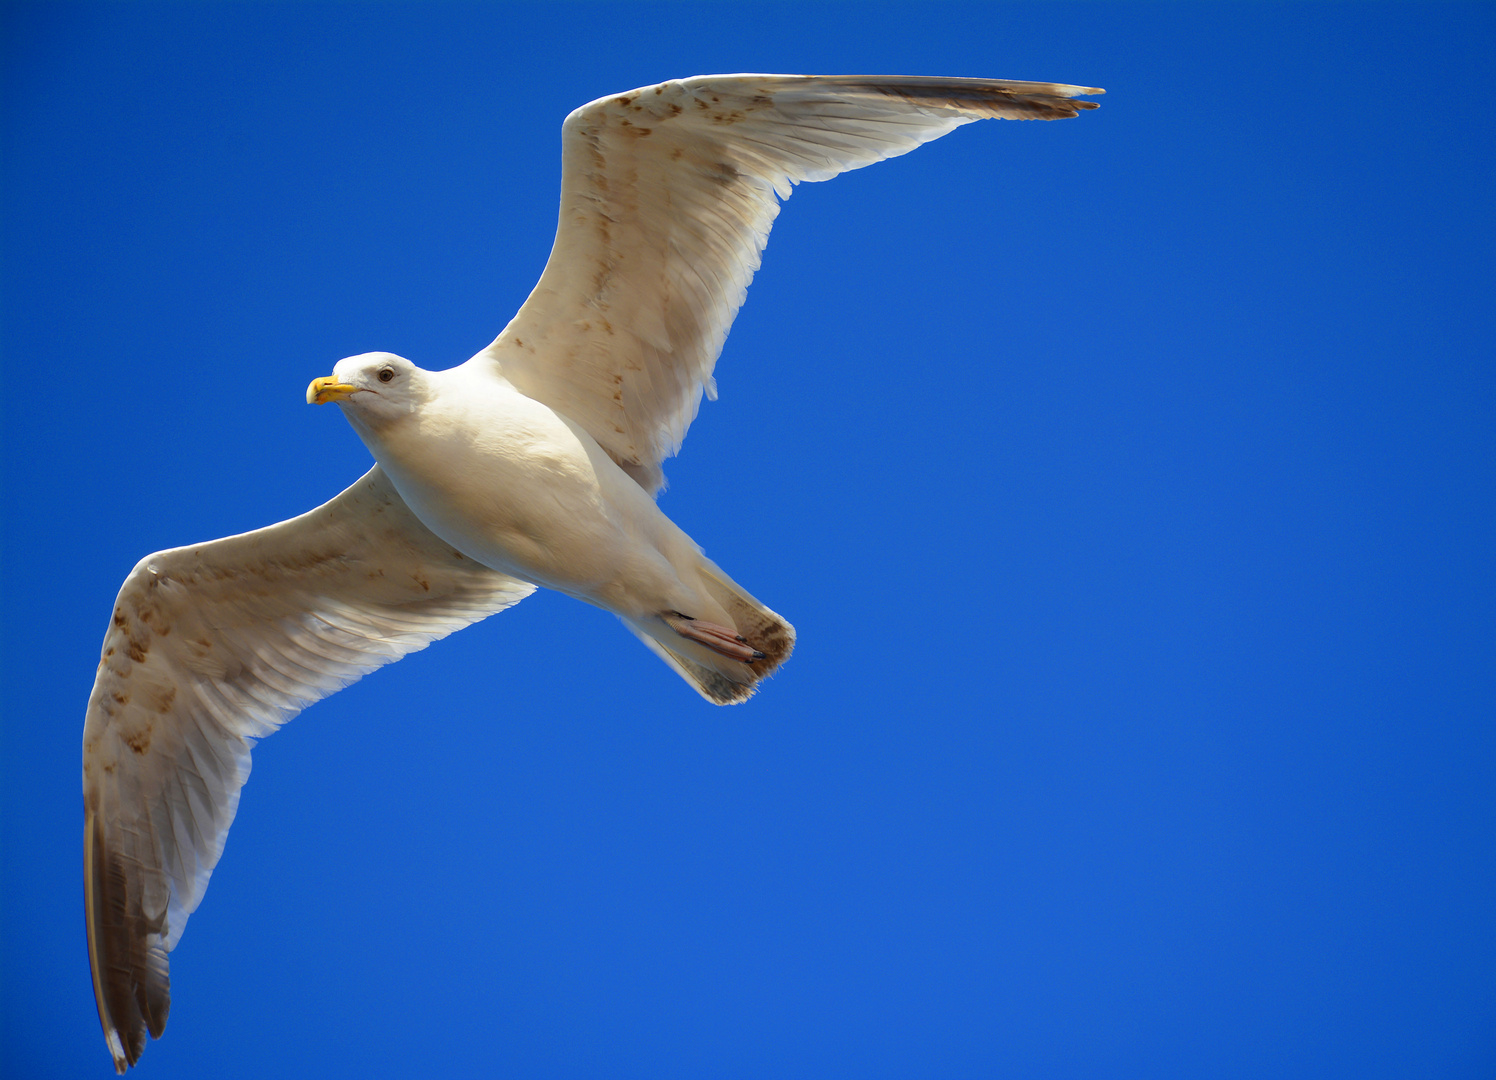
<point>1129,480</point>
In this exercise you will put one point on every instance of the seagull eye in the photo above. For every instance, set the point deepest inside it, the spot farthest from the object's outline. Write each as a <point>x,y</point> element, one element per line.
<point>386,374</point>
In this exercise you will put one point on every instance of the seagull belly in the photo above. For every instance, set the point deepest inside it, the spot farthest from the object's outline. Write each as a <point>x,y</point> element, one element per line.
<point>527,492</point>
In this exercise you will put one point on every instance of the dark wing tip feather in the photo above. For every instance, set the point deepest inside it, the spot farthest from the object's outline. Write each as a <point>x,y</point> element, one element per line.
<point>131,977</point>
<point>996,97</point>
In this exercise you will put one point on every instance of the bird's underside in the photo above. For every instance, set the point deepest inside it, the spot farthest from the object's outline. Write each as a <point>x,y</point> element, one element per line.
<point>668,195</point>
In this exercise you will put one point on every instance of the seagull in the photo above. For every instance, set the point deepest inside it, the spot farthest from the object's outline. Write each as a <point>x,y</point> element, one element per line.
<point>535,463</point>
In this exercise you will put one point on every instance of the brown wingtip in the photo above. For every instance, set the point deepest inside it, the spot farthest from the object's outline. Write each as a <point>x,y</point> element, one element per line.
<point>132,984</point>
<point>93,888</point>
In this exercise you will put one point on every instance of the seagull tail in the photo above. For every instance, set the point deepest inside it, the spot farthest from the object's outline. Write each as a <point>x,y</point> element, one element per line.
<point>718,679</point>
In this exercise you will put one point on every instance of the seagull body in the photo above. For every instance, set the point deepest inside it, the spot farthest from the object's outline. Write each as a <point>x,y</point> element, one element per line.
<point>514,485</point>
<point>535,463</point>
<point>504,478</point>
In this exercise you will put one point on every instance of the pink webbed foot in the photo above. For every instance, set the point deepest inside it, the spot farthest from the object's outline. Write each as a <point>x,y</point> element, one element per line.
<point>720,639</point>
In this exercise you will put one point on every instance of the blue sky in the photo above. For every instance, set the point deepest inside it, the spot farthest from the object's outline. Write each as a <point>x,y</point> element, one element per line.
<point>1128,480</point>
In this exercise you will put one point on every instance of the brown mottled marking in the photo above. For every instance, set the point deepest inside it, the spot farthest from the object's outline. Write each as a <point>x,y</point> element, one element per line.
<point>137,650</point>
<point>123,699</point>
<point>109,768</point>
<point>518,342</point>
<point>119,618</point>
<point>774,640</point>
<point>604,271</point>
<point>140,740</point>
<point>164,698</point>
<point>726,173</point>
<point>109,651</point>
<point>312,560</point>
<point>422,582</point>
<point>677,154</point>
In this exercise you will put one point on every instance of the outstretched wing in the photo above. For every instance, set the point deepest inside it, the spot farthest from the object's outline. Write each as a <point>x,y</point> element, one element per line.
<point>212,647</point>
<point>667,198</point>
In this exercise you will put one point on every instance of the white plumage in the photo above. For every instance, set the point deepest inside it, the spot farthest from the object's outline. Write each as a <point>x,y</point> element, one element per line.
<point>535,463</point>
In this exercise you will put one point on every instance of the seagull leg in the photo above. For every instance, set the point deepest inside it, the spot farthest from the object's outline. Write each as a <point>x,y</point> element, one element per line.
<point>720,639</point>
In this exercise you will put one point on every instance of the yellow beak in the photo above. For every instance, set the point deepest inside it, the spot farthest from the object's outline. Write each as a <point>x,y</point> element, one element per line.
<point>328,389</point>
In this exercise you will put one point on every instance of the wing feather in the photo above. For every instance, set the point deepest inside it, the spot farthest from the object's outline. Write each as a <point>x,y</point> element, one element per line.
<point>668,194</point>
<point>210,648</point>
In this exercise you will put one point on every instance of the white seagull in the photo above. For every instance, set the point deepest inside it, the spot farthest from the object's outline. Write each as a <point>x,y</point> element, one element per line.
<point>536,462</point>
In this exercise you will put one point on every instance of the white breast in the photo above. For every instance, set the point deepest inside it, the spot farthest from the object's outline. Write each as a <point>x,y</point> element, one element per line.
<point>512,484</point>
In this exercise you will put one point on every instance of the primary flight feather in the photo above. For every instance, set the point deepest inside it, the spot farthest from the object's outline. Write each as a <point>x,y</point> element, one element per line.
<point>534,463</point>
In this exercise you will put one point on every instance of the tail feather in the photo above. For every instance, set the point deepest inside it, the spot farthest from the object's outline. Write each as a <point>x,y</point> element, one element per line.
<point>718,679</point>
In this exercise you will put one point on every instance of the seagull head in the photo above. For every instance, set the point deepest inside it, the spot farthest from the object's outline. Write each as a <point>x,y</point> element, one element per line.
<point>375,386</point>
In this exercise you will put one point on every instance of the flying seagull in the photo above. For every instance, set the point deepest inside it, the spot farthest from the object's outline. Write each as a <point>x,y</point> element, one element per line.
<point>537,462</point>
